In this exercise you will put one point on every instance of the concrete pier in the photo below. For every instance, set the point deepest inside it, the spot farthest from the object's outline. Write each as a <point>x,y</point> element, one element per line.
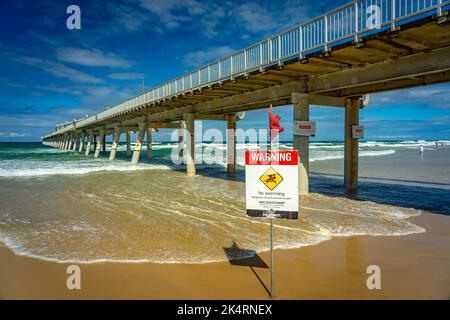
<point>300,103</point>
<point>115,143</point>
<point>189,120</point>
<point>416,55</point>
<point>181,142</point>
<point>149,143</point>
<point>94,141</point>
<point>103,141</point>
<point>351,145</point>
<point>83,138</point>
<point>99,145</point>
<point>89,142</point>
<point>69,146</point>
<point>231,144</point>
<point>128,141</point>
<point>76,142</point>
<point>143,127</point>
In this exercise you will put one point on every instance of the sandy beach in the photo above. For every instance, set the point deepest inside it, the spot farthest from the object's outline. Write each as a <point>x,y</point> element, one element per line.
<point>412,267</point>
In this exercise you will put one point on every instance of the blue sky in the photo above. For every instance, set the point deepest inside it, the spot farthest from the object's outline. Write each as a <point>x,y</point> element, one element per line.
<point>50,74</point>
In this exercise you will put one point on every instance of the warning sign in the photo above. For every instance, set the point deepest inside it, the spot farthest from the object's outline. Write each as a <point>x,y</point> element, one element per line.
<point>305,128</point>
<point>138,146</point>
<point>114,145</point>
<point>271,178</point>
<point>358,132</point>
<point>271,182</point>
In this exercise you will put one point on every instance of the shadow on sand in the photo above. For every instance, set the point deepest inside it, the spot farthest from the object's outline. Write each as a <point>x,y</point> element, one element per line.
<point>246,258</point>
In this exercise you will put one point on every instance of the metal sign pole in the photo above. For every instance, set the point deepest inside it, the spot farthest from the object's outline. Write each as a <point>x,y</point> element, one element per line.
<point>271,257</point>
<point>271,237</point>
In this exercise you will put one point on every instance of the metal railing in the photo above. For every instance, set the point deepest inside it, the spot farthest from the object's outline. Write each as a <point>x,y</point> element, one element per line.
<point>346,23</point>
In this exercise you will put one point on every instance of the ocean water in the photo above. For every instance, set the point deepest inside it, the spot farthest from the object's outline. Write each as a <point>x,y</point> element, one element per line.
<point>63,206</point>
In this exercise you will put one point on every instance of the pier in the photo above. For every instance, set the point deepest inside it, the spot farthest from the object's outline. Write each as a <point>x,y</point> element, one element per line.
<point>334,60</point>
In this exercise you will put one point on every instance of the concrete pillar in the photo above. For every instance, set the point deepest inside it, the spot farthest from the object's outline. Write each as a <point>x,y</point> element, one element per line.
<point>95,142</point>
<point>104,143</point>
<point>88,146</point>
<point>300,103</point>
<point>66,142</point>
<point>83,138</point>
<point>190,144</point>
<point>149,143</point>
<point>231,144</point>
<point>128,143</point>
<point>181,141</point>
<point>143,127</point>
<point>352,107</point>
<point>115,143</point>
<point>99,146</point>
<point>76,139</point>
<point>69,147</point>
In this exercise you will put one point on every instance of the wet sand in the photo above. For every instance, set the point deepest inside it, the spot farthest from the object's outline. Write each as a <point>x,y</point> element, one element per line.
<point>412,267</point>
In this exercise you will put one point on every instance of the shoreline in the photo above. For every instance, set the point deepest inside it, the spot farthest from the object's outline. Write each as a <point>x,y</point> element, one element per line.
<point>412,267</point>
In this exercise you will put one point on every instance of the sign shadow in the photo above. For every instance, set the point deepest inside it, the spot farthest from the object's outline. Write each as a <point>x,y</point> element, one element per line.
<point>246,258</point>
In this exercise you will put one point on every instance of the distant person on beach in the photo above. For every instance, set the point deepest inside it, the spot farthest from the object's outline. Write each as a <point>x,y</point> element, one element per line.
<point>421,149</point>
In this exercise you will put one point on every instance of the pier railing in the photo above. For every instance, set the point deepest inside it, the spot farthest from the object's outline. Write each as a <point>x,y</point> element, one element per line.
<point>346,23</point>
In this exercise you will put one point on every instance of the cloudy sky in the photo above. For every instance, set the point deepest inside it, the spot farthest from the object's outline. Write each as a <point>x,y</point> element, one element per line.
<point>50,74</point>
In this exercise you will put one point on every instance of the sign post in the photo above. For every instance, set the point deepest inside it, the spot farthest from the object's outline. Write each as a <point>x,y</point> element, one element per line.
<point>271,183</point>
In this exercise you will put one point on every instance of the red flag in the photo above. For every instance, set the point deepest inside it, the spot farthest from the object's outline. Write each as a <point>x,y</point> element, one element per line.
<point>274,123</point>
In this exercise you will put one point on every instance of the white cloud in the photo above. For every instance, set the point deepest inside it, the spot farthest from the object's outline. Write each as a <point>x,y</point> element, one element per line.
<point>255,18</point>
<point>91,58</point>
<point>433,97</point>
<point>126,75</point>
<point>201,57</point>
<point>12,135</point>
<point>60,70</point>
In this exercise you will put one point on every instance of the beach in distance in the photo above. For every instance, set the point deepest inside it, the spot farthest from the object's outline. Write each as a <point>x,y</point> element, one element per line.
<point>149,232</point>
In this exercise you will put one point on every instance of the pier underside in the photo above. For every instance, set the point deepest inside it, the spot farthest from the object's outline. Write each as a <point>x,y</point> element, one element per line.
<point>415,54</point>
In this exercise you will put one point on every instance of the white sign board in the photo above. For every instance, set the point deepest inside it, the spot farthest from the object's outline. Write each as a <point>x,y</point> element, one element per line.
<point>305,128</point>
<point>358,132</point>
<point>271,184</point>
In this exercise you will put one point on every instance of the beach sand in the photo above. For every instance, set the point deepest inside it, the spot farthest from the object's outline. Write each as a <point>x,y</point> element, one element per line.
<point>412,267</point>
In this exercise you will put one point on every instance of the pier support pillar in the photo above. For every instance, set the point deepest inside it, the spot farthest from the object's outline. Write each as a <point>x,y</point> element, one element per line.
<point>300,103</point>
<point>115,143</point>
<point>76,141</point>
<point>103,142</point>
<point>149,143</point>
<point>95,142</point>
<point>143,127</point>
<point>351,145</point>
<point>99,146</point>
<point>128,143</point>
<point>83,138</point>
<point>181,141</point>
<point>189,120</point>
<point>231,144</point>
<point>88,146</point>
<point>69,147</point>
